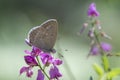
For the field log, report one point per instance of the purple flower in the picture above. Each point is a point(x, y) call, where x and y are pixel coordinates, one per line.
point(57, 62)
point(27, 52)
point(28, 71)
point(94, 50)
point(40, 75)
point(54, 73)
point(91, 33)
point(30, 60)
point(106, 47)
point(92, 10)
point(36, 51)
point(85, 25)
point(46, 58)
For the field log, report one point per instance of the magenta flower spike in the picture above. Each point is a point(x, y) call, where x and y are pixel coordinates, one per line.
point(42, 58)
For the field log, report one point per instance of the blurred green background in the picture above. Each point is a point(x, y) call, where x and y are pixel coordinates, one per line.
point(17, 17)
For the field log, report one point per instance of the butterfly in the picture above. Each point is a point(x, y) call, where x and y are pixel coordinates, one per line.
point(44, 36)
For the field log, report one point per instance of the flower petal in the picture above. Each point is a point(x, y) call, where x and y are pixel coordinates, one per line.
point(94, 50)
point(23, 69)
point(57, 62)
point(54, 73)
point(46, 58)
point(27, 52)
point(92, 10)
point(40, 75)
point(36, 51)
point(30, 60)
point(106, 47)
point(29, 73)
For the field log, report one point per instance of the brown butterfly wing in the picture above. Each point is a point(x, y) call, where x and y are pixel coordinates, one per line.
point(44, 36)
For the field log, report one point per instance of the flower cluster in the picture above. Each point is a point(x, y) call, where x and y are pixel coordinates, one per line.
point(95, 31)
point(34, 58)
point(98, 46)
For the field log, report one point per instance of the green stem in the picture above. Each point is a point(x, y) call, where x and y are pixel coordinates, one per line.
point(42, 68)
point(98, 41)
point(97, 37)
point(102, 51)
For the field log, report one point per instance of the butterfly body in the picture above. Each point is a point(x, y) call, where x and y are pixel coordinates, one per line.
point(44, 36)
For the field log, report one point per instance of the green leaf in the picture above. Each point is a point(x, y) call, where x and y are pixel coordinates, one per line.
point(105, 63)
point(98, 69)
point(113, 73)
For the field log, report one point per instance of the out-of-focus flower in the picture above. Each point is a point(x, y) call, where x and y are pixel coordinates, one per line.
point(54, 73)
point(30, 60)
point(91, 33)
point(103, 34)
point(106, 47)
point(97, 22)
point(28, 71)
point(85, 25)
point(40, 75)
point(94, 50)
point(92, 10)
